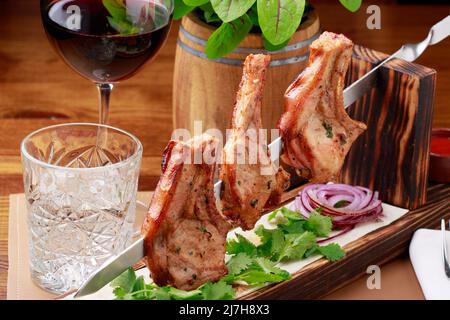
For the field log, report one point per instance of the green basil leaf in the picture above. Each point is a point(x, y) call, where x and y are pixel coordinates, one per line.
point(229, 10)
point(238, 263)
point(195, 3)
point(351, 5)
point(270, 47)
point(227, 37)
point(181, 9)
point(279, 19)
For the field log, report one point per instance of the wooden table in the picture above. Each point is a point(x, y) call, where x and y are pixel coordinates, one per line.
point(37, 89)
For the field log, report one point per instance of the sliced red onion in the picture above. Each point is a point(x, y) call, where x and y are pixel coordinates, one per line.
point(362, 204)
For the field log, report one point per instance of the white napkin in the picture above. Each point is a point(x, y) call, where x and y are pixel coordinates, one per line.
point(425, 252)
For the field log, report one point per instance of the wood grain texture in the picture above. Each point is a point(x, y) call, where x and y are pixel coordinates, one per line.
point(378, 247)
point(392, 155)
point(205, 90)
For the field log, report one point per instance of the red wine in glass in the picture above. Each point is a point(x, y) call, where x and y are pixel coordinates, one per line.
point(106, 41)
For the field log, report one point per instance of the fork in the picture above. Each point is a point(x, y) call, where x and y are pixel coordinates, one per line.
point(444, 249)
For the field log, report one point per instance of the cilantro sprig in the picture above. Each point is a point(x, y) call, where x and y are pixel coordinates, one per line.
point(293, 238)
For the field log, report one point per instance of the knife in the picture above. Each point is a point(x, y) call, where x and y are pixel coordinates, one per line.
point(114, 266)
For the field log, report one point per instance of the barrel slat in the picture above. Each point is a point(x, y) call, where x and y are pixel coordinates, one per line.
point(205, 90)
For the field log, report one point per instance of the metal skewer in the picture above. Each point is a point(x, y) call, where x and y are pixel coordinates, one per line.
point(409, 52)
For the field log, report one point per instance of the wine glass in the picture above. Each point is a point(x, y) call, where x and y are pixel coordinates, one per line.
point(106, 41)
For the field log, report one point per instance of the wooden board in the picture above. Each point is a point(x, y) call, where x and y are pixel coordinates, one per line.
point(376, 248)
point(392, 155)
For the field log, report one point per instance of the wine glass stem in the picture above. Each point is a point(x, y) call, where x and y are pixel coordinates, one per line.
point(104, 90)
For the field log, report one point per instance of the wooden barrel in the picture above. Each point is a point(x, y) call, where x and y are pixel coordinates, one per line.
point(205, 90)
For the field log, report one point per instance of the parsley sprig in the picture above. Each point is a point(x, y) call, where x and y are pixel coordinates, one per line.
point(293, 238)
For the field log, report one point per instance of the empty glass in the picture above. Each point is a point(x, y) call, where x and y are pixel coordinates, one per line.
point(80, 185)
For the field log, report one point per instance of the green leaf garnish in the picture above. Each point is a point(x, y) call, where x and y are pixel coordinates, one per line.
point(238, 263)
point(195, 3)
point(287, 213)
point(271, 47)
point(125, 281)
point(279, 19)
point(227, 37)
point(241, 244)
point(217, 291)
point(332, 251)
point(295, 238)
point(341, 204)
point(272, 242)
point(128, 287)
point(253, 14)
point(318, 224)
point(118, 19)
point(297, 245)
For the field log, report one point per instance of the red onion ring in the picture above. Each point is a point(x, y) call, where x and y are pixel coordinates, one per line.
point(361, 205)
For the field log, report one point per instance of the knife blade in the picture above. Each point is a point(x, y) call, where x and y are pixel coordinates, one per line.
point(112, 268)
point(116, 265)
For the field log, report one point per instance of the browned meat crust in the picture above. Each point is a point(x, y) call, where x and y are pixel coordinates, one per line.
point(316, 131)
point(254, 183)
point(184, 233)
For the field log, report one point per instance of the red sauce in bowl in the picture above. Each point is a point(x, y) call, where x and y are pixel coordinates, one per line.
point(440, 145)
point(440, 155)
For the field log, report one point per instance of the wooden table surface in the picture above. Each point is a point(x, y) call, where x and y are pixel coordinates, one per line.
point(37, 89)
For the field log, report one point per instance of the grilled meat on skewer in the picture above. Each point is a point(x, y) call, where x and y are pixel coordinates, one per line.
point(251, 182)
point(184, 233)
point(316, 131)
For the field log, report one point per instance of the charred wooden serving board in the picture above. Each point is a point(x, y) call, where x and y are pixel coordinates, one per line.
point(391, 157)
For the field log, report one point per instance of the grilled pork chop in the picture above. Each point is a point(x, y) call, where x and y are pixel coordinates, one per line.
point(316, 131)
point(251, 182)
point(184, 233)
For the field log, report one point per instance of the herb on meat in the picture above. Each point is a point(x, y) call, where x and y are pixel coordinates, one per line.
point(328, 130)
